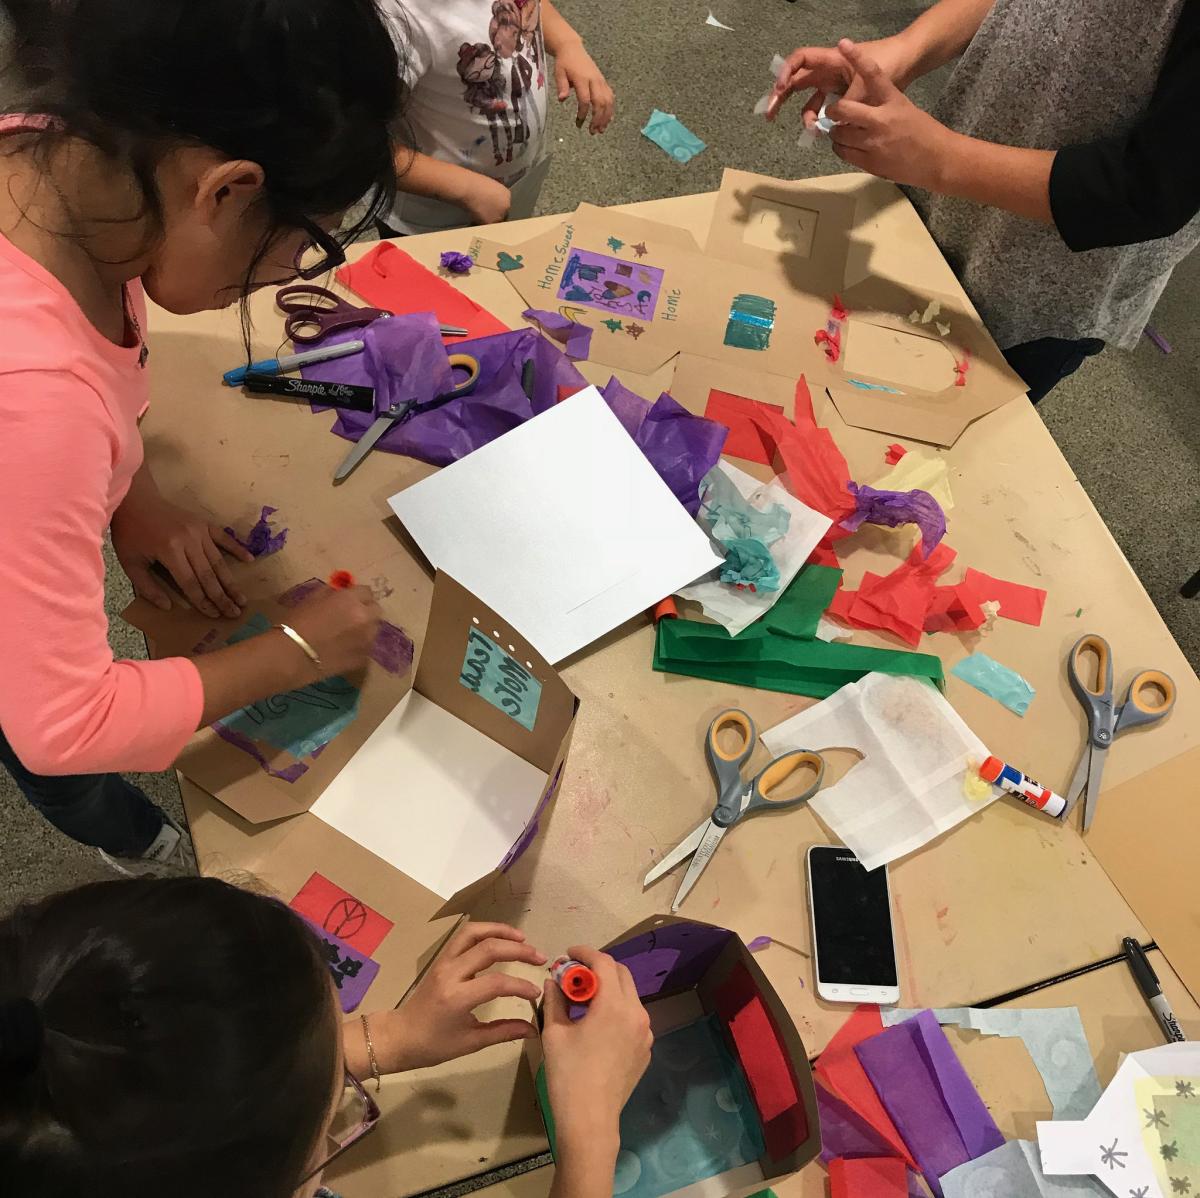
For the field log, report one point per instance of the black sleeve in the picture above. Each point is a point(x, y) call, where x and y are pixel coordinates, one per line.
point(1145, 183)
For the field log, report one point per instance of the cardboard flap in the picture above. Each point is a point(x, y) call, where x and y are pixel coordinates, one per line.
point(492, 703)
point(905, 376)
point(788, 227)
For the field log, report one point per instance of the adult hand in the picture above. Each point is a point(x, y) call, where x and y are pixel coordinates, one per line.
point(436, 1024)
point(148, 529)
point(885, 133)
point(609, 1049)
point(825, 70)
point(576, 70)
point(486, 199)
point(341, 626)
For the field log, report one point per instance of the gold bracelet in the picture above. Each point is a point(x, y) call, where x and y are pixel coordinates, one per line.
point(309, 651)
point(371, 1055)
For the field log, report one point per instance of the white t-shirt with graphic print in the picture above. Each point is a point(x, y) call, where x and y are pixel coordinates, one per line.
point(478, 74)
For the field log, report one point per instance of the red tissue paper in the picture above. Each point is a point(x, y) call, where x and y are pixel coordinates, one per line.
point(1017, 601)
point(868, 1177)
point(894, 453)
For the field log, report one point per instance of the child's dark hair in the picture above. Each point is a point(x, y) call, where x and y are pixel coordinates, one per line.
point(308, 89)
point(172, 1037)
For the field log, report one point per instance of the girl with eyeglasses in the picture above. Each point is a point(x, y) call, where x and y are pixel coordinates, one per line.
point(182, 1037)
point(191, 153)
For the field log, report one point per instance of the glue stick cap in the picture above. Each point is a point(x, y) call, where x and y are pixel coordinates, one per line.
point(577, 982)
point(991, 769)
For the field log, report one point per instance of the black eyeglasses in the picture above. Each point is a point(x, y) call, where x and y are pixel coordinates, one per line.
point(320, 254)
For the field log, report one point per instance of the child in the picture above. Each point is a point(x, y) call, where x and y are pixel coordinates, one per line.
point(181, 1037)
point(1072, 123)
point(200, 150)
point(478, 73)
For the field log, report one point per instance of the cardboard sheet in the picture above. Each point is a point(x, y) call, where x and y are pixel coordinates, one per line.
point(930, 1098)
point(738, 609)
point(938, 385)
point(433, 797)
point(1054, 1037)
point(562, 526)
point(648, 294)
point(908, 787)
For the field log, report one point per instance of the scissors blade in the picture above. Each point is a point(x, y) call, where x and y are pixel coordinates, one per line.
point(1078, 781)
point(1090, 803)
point(685, 848)
point(369, 439)
point(712, 837)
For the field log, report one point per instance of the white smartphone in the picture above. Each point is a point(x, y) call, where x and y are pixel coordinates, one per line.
point(854, 955)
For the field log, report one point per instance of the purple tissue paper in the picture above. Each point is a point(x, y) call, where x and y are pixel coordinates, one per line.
point(575, 338)
point(456, 263)
point(260, 540)
point(928, 1095)
point(893, 508)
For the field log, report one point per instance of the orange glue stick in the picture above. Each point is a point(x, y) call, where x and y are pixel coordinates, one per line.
point(577, 982)
point(341, 580)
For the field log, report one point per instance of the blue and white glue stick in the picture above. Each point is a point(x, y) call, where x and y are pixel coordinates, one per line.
point(1009, 778)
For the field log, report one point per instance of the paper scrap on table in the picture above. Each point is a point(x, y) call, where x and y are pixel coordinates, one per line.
point(898, 602)
point(262, 540)
point(396, 282)
point(1017, 601)
point(764, 657)
point(1054, 1037)
point(561, 526)
point(1109, 1144)
point(735, 609)
point(717, 24)
point(338, 912)
point(671, 135)
point(1013, 1171)
point(891, 509)
point(916, 749)
point(745, 439)
point(352, 971)
point(831, 630)
point(1170, 1109)
point(840, 1072)
point(575, 338)
point(930, 1098)
point(745, 532)
point(915, 470)
point(1006, 686)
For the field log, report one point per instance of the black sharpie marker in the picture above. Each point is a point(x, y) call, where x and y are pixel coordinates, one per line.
point(334, 395)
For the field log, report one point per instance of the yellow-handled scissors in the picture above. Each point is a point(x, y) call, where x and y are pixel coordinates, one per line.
point(1150, 697)
point(390, 417)
point(737, 797)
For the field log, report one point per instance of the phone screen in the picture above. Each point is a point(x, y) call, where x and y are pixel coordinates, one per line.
point(852, 919)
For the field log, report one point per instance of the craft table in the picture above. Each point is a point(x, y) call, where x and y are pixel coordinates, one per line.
point(1004, 900)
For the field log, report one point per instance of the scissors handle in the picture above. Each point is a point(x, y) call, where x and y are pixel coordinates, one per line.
point(471, 366)
point(780, 771)
point(1150, 697)
point(1097, 697)
point(727, 763)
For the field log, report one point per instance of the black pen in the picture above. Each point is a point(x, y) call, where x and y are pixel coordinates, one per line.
point(528, 378)
point(1147, 983)
point(334, 395)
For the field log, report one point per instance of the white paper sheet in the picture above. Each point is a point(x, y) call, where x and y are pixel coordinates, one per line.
point(561, 526)
point(737, 610)
point(1109, 1144)
point(908, 787)
point(433, 797)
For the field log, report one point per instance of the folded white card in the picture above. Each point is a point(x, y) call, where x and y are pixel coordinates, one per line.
point(561, 526)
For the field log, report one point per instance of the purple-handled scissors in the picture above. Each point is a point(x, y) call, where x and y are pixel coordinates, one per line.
point(314, 312)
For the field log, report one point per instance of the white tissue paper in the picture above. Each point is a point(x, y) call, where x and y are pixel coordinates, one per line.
point(908, 789)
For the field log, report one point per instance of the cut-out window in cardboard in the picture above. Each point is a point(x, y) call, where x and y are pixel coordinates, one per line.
point(914, 361)
point(784, 228)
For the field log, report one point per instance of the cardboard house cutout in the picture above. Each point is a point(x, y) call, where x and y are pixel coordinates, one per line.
point(727, 1106)
point(648, 293)
point(443, 776)
point(791, 230)
point(915, 363)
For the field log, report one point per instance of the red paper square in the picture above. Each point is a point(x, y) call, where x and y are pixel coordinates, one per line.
point(1017, 601)
point(745, 440)
point(868, 1177)
point(340, 913)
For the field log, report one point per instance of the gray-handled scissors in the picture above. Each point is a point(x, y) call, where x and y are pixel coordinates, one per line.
point(736, 797)
point(1150, 697)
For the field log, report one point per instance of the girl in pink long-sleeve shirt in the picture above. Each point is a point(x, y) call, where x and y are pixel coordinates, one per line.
point(197, 151)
